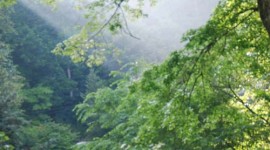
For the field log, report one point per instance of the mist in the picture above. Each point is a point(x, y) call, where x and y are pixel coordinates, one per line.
point(159, 33)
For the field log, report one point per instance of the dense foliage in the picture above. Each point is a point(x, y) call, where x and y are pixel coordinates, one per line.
point(43, 86)
point(212, 94)
point(33, 87)
point(47, 83)
point(47, 135)
point(10, 85)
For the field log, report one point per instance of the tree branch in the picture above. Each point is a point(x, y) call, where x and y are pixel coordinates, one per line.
point(264, 9)
point(246, 106)
point(118, 6)
point(127, 26)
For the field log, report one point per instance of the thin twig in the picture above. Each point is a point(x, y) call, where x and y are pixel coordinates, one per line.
point(127, 26)
point(118, 6)
point(193, 87)
point(203, 51)
point(246, 106)
point(238, 99)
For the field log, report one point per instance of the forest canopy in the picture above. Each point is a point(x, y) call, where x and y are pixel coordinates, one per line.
point(212, 94)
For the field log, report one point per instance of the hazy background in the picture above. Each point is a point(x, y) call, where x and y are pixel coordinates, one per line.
point(159, 33)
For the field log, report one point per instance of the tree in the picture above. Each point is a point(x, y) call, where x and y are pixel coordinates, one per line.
point(49, 135)
point(108, 111)
point(48, 86)
point(213, 94)
point(264, 7)
point(42, 72)
point(10, 88)
point(11, 82)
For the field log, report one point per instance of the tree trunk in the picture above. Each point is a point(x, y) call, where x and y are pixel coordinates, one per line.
point(69, 77)
point(264, 9)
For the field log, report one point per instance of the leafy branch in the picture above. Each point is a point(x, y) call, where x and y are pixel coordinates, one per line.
point(118, 6)
point(247, 106)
